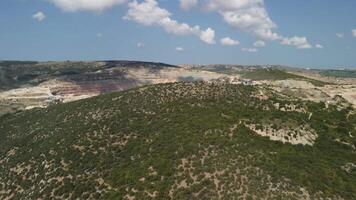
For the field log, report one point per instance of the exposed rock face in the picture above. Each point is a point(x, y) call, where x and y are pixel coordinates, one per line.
point(348, 92)
point(306, 91)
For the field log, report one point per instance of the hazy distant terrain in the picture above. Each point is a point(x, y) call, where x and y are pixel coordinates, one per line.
point(27, 84)
point(141, 130)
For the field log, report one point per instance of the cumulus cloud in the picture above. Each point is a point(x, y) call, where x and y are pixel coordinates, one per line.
point(259, 43)
point(299, 42)
point(89, 5)
point(339, 35)
point(353, 32)
point(179, 49)
point(148, 13)
point(207, 36)
point(227, 41)
point(319, 46)
point(252, 17)
point(188, 4)
point(39, 16)
point(249, 16)
point(246, 15)
point(250, 50)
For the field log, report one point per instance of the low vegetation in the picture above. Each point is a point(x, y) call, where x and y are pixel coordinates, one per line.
point(339, 73)
point(16, 74)
point(277, 74)
point(178, 141)
point(259, 73)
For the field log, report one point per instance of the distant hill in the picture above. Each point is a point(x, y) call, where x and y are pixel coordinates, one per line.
point(181, 141)
point(27, 84)
point(339, 73)
point(15, 74)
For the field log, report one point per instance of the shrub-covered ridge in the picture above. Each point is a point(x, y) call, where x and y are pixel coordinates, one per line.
point(178, 141)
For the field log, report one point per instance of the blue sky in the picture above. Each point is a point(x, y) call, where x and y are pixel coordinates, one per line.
point(305, 33)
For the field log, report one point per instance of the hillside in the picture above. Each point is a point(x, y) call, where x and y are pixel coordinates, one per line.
point(339, 73)
point(15, 74)
point(181, 141)
point(26, 85)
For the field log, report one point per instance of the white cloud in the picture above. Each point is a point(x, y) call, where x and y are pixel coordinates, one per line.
point(250, 50)
point(252, 17)
point(188, 4)
point(299, 42)
point(353, 32)
point(140, 45)
point(267, 34)
point(148, 13)
point(339, 35)
point(259, 43)
point(230, 4)
point(39, 16)
point(227, 41)
point(99, 35)
point(208, 36)
point(179, 49)
point(249, 16)
point(246, 15)
point(89, 5)
point(319, 46)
